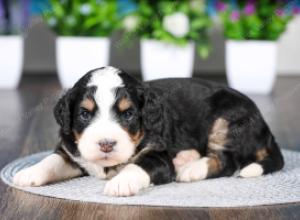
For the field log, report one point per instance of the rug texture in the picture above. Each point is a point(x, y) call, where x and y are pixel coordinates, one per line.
point(278, 188)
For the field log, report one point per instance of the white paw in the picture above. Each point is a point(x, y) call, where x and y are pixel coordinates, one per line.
point(184, 157)
point(193, 171)
point(252, 170)
point(128, 182)
point(31, 176)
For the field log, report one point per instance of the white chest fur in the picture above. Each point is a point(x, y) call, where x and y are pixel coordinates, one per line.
point(91, 168)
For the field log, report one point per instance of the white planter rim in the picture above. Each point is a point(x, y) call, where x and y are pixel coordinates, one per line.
point(166, 43)
point(75, 38)
point(11, 36)
point(90, 37)
point(251, 41)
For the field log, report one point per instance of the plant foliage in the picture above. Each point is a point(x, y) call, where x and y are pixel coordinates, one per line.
point(157, 19)
point(255, 20)
point(83, 17)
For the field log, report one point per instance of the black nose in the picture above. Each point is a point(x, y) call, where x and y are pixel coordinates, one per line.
point(106, 146)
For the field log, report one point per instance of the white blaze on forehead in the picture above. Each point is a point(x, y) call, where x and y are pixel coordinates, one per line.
point(106, 80)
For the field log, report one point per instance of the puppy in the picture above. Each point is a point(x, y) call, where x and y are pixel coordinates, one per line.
point(115, 127)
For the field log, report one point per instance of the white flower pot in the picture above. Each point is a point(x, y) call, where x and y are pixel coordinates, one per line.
point(75, 56)
point(11, 61)
point(162, 60)
point(251, 65)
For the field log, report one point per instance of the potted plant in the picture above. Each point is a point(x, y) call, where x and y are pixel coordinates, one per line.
point(11, 46)
point(169, 32)
point(252, 29)
point(83, 29)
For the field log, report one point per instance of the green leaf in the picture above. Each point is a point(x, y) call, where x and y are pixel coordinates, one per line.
point(203, 51)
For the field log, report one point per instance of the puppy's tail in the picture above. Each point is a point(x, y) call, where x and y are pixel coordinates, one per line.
point(268, 159)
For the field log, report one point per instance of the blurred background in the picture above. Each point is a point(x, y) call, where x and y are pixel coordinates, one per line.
point(125, 23)
point(47, 45)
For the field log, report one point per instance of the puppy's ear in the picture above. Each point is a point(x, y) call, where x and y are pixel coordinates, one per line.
point(63, 112)
point(152, 112)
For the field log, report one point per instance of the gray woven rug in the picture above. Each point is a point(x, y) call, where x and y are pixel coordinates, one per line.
point(277, 188)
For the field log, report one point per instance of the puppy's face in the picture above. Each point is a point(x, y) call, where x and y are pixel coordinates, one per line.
point(104, 118)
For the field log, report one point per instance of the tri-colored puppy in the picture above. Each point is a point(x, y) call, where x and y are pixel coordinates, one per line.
point(136, 134)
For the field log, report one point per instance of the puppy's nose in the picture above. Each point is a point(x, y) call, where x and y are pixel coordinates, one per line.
point(106, 146)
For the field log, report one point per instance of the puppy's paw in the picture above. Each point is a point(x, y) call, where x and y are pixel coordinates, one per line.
point(252, 170)
point(31, 176)
point(184, 157)
point(193, 171)
point(128, 182)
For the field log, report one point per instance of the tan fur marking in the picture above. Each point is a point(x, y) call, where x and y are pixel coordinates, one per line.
point(124, 104)
point(218, 135)
point(136, 138)
point(214, 164)
point(261, 154)
point(113, 171)
point(77, 136)
point(141, 153)
point(88, 104)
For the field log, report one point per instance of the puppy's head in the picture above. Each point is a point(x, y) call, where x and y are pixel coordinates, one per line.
point(100, 117)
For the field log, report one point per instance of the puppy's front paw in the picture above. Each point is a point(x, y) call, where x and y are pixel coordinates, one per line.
point(128, 182)
point(121, 186)
point(31, 176)
point(193, 171)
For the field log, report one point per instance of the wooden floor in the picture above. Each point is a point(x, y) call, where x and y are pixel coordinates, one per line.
point(27, 126)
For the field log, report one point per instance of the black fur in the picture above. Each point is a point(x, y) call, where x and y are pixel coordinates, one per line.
point(178, 114)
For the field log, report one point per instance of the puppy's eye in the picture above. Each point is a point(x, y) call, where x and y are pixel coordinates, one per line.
point(127, 115)
point(85, 115)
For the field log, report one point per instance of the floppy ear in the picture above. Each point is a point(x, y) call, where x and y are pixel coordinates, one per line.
point(62, 111)
point(152, 112)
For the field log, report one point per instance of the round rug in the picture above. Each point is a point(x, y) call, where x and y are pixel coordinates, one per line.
point(277, 188)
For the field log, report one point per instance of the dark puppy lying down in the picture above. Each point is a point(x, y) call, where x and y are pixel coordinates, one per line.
point(136, 134)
